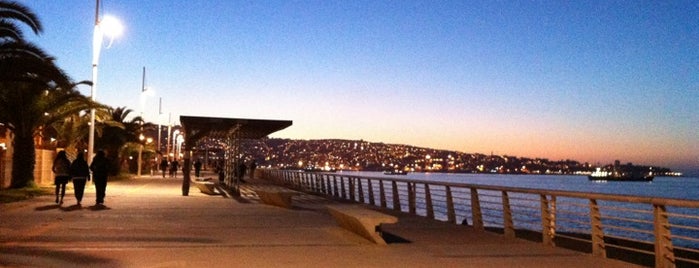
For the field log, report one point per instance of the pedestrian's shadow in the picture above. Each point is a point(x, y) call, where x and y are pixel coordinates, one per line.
point(99, 207)
point(72, 208)
point(47, 207)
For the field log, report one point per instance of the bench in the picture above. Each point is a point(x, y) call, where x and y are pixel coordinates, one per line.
point(280, 198)
point(362, 221)
point(206, 186)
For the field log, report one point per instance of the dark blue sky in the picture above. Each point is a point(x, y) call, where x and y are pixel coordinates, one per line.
point(588, 80)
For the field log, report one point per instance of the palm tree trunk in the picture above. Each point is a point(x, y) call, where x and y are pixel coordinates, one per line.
point(23, 161)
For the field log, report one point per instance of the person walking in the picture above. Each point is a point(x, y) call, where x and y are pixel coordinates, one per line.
point(80, 173)
point(163, 166)
point(174, 165)
point(240, 172)
point(61, 167)
point(253, 166)
point(100, 169)
point(197, 168)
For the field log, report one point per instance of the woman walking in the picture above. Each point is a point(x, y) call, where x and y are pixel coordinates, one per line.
point(80, 173)
point(61, 167)
point(100, 168)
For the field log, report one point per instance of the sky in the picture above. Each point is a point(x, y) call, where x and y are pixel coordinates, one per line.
point(592, 81)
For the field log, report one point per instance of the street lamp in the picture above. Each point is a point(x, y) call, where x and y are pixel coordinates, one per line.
point(112, 28)
point(140, 153)
point(148, 140)
point(175, 134)
point(180, 140)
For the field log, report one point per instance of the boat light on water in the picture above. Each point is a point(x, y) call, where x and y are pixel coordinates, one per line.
point(602, 175)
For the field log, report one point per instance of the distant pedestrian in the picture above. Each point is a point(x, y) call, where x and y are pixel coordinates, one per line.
point(174, 165)
point(100, 169)
point(253, 166)
point(80, 173)
point(197, 168)
point(61, 167)
point(220, 171)
point(240, 171)
point(163, 166)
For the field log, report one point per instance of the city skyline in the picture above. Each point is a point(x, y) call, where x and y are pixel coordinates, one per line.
point(592, 82)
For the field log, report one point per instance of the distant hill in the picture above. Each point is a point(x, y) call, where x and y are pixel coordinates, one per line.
point(362, 155)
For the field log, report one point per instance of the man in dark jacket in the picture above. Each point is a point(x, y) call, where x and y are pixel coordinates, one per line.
point(100, 169)
point(80, 173)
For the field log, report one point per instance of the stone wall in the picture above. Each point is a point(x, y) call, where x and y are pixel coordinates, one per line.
point(42, 171)
point(43, 175)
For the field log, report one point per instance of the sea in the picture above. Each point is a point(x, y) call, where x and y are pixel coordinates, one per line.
point(686, 188)
point(666, 187)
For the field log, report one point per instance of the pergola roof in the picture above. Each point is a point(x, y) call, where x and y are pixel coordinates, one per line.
point(197, 127)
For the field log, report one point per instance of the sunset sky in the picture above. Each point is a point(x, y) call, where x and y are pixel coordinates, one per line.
point(592, 81)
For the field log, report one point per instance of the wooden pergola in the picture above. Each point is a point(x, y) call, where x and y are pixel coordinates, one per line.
point(229, 131)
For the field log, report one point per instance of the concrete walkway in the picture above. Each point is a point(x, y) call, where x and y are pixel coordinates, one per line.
point(146, 222)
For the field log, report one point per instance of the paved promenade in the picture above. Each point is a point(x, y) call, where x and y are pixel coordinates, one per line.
point(146, 222)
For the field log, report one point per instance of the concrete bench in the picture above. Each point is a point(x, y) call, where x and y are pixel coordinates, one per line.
point(206, 186)
point(280, 198)
point(362, 221)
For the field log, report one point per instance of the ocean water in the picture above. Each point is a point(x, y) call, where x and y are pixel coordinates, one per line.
point(667, 187)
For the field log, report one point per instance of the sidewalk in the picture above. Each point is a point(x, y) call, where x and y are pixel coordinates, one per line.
point(146, 222)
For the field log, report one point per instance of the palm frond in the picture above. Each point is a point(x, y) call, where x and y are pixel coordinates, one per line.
point(16, 11)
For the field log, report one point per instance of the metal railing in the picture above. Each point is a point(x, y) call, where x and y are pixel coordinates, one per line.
point(663, 230)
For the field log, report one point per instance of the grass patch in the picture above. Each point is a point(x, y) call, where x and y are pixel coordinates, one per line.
point(15, 195)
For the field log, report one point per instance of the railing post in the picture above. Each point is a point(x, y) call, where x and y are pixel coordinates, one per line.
point(323, 189)
point(300, 181)
point(476, 210)
point(307, 181)
point(361, 190)
point(313, 180)
point(428, 202)
point(597, 232)
point(342, 186)
point(411, 197)
point(507, 223)
point(329, 187)
point(351, 188)
point(552, 216)
point(451, 213)
point(316, 182)
point(546, 236)
point(382, 194)
point(303, 177)
point(370, 188)
point(335, 193)
point(664, 252)
point(396, 197)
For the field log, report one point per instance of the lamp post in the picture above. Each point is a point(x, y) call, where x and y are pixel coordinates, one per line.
point(140, 153)
point(180, 140)
point(160, 112)
point(111, 27)
point(175, 135)
point(147, 140)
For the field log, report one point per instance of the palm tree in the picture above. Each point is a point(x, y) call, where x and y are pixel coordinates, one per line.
point(71, 133)
point(34, 92)
point(118, 131)
point(11, 11)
